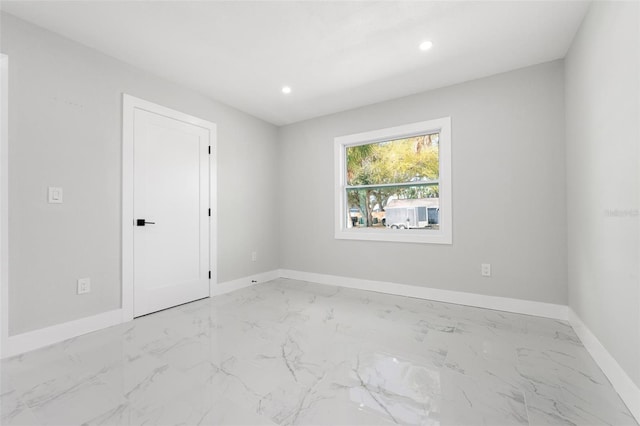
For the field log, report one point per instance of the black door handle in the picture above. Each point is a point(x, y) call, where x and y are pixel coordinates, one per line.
point(142, 222)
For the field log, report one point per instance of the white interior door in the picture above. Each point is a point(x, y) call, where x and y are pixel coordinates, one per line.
point(171, 212)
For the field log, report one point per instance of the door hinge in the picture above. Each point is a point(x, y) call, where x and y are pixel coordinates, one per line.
point(209, 274)
point(209, 149)
point(209, 212)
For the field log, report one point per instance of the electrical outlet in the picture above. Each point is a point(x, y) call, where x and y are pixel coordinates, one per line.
point(55, 195)
point(254, 256)
point(486, 269)
point(84, 285)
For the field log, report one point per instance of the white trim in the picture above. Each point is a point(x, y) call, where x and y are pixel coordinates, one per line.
point(520, 306)
point(240, 283)
point(4, 204)
point(35, 339)
point(129, 104)
point(442, 236)
point(127, 207)
point(629, 392)
point(213, 204)
point(31, 340)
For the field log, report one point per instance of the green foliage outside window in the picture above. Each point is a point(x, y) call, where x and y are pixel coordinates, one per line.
point(412, 160)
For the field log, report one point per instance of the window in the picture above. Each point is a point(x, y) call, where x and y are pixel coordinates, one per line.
point(394, 184)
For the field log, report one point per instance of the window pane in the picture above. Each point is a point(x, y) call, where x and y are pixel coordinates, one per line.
point(397, 177)
point(394, 207)
point(411, 159)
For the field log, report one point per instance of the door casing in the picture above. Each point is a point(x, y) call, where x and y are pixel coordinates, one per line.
point(129, 105)
point(4, 205)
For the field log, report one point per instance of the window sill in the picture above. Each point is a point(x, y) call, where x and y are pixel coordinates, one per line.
point(395, 235)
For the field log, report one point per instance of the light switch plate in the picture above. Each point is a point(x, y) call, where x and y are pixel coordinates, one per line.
point(55, 195)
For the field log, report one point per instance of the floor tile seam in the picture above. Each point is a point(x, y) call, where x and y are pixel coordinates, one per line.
point(8, 395)
point(446, 358)
point(113, 396)
point(69, 376)
point(7, 383)
point(124, 393)
point(28, 409)
point(526, 406)
point(565, 391)
point(249, 409)
point(127, 405)
point(528, 382)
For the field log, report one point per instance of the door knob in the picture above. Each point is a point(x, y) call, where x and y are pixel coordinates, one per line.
point(142, 222)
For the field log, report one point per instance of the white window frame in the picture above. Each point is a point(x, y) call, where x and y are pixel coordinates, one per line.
point(441, 236)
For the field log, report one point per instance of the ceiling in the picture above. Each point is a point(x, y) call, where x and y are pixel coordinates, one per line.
point(335, 55)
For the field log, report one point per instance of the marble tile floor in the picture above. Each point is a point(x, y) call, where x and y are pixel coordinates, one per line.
point(290, 352)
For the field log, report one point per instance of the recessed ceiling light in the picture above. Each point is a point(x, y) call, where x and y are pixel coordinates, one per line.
point(286, 90)
point(425, 45)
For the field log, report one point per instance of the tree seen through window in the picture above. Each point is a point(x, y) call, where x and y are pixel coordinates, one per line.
point(394, 183)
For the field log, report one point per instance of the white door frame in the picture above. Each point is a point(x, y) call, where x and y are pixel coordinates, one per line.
point(4, 204)
point(129, 105)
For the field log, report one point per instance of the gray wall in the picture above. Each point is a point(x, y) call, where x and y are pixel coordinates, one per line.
point(65, 130)
point(508, 190)
point(603, 133)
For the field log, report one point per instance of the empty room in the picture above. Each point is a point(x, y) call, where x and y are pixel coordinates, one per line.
point(319, 212)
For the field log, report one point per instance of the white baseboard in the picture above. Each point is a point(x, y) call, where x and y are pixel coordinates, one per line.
point(626, 388)
point(622, 383)
point(39, 338)
point(519, 306)
point(31, 340)
point(237, 284)
point(628, 391)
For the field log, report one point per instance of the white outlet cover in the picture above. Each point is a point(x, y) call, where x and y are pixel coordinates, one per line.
point(55, 195)
point(486, 269)
point(84, 285)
